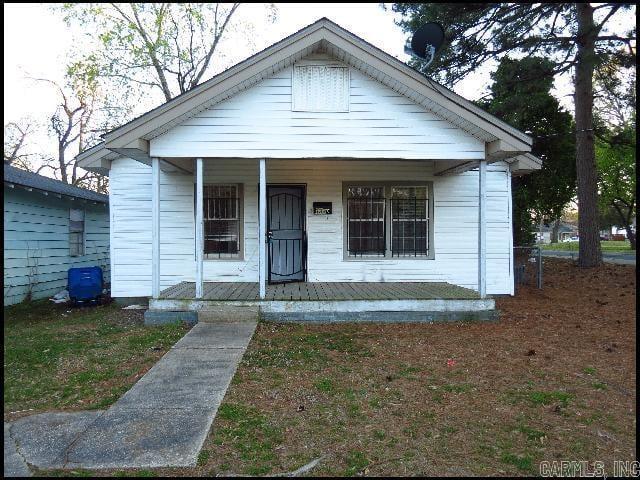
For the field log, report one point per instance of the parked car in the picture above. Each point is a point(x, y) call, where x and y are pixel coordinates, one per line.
point(571, 239)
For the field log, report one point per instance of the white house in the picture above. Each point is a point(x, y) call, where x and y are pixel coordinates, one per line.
point(319, 169)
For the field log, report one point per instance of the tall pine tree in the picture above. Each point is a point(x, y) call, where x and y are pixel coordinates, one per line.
point(574, 36)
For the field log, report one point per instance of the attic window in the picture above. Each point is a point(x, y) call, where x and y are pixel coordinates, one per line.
point(320, 88)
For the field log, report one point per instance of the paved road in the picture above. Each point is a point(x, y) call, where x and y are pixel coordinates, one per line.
point(621, 258)
point(162, 421)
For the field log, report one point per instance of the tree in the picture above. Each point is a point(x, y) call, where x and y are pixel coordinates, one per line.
point(165, 46)
point(521, 96)
point(569, 34)
point(17, 142)
point(83, 113)
point(615, 130)
point(617, 176)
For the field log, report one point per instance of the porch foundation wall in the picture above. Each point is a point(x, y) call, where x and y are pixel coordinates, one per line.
point(383, 311)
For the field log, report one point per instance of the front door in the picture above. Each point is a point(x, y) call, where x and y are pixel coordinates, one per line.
point(286, 233)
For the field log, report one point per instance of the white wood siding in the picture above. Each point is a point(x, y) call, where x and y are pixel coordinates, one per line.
point(36, 243)
point(455, 224)
point(259, 122)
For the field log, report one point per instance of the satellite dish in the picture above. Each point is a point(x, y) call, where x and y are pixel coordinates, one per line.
point(426, 41)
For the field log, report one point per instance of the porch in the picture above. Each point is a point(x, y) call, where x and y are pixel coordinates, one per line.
point(319, 291)
point(324, 302)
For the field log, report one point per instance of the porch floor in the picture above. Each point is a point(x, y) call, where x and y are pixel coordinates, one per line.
point(234, 291)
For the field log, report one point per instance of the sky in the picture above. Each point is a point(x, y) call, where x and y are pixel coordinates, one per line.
point(27, 56)
point(37, 42)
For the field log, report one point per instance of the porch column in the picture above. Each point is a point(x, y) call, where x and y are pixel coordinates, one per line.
point(199, 230)
point(262, 229)
point(155, 227)
point(482, 229)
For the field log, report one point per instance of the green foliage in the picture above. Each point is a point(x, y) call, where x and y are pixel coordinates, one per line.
point(478, 32)
point(143, 46)
point(521, 96)
point(571, 36)
point(616, 158)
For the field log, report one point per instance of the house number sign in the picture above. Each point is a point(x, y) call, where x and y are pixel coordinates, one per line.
point(322, 208)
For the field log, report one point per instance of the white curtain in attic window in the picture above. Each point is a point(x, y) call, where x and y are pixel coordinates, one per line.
point(320, 88)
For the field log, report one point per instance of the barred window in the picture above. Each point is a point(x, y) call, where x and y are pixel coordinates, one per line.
point(76, 232)
point(365, 221)
point(409, 221)
point(222, 221)
point(388, 220)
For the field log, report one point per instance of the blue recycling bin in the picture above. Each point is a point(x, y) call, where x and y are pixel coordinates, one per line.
point(85, 283)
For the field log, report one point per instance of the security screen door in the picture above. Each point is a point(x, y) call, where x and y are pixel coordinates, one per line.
point(286, 233)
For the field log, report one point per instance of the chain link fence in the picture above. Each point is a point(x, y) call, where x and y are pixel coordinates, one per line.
point(527, 266)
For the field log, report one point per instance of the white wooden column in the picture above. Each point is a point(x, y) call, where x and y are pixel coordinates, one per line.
point(482, 229)
point(155, 227)
point(262, 229)
point(199, 230)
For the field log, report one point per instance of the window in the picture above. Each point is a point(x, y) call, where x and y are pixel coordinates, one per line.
point(76, 232)
point(320, 88)
point(365, 221)
point(409, 221)
point(388, 220)
point(222, 221)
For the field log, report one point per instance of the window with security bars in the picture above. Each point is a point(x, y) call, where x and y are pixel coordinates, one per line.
point(222, 221)
point(366, 221)
point(409, 221)
point(76, 233)
point(387, 220)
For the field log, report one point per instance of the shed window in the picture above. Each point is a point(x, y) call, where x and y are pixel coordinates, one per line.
point(76, 232)
point(222, 221)
point(320, 88)
point(388, 220)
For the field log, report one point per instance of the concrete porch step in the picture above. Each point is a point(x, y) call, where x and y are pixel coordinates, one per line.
point(229, 313)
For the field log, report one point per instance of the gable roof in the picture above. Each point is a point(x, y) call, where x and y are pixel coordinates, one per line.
point(17, 176)
point(132, 138)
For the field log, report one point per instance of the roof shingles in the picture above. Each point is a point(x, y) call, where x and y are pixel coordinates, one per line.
point(21, 177)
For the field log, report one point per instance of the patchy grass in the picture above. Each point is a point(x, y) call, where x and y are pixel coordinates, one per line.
point(524, 464)
point(62, 358)
point(606, 245)
point(381, 399)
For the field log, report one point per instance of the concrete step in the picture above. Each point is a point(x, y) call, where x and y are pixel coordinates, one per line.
point(229, 313)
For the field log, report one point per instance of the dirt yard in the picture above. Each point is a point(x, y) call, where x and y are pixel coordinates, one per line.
point(554, 379)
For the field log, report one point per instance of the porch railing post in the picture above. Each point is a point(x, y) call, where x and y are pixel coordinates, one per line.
point(262, 229)
point(155, 227)
point(199, 230)
point(482, 229)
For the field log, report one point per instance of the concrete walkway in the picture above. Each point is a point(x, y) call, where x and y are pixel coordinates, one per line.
point(162, 421)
